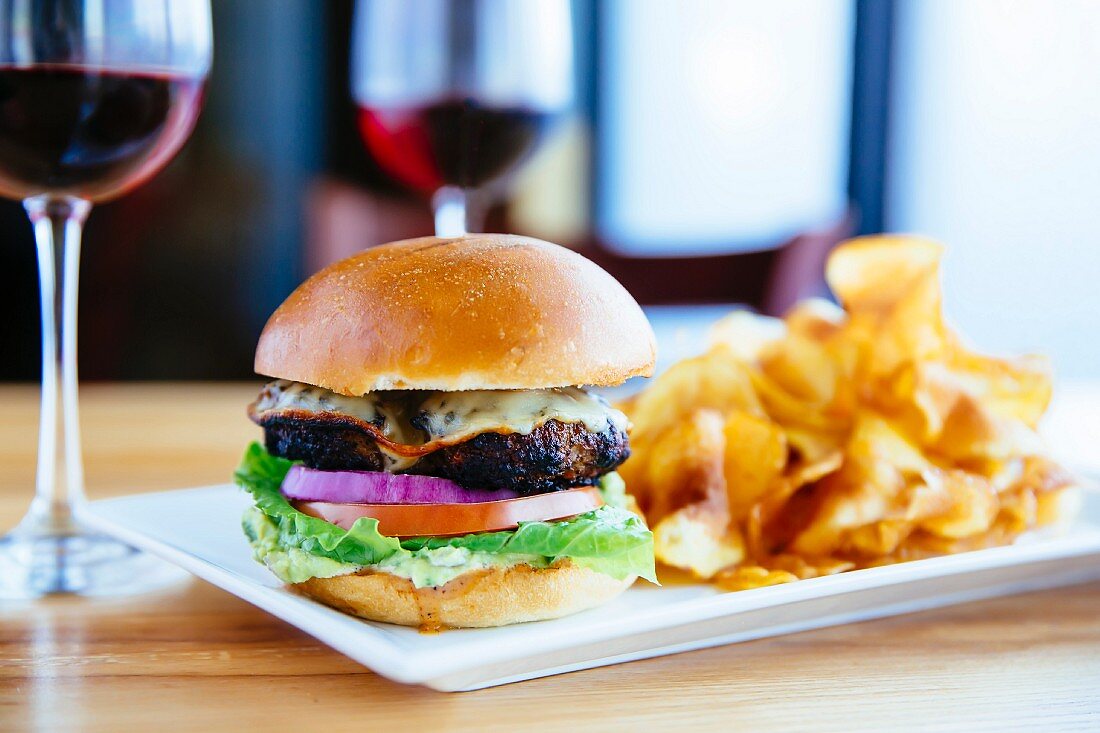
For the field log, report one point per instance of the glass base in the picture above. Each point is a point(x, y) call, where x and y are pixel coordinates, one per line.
point(81, 563)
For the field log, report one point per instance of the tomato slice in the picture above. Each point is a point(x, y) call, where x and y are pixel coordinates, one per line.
point(423, 520)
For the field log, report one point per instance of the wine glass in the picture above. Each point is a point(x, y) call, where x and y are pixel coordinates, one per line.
point(454, 94)
point(96, 96)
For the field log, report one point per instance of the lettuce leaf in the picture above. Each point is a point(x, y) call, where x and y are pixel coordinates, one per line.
point(609, 540)
point(289, 564)
point(262, 474)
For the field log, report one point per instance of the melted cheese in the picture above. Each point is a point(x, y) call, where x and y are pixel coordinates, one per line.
point(454, 416)
point(446, 417)
point(283, 394)
point(388, 415)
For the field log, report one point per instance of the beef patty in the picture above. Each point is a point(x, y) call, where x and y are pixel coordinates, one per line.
point(552, 457)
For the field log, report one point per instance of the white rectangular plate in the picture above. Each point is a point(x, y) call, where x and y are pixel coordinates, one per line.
point(199, 529)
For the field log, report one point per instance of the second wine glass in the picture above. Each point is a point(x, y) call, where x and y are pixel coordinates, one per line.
point(454, 95)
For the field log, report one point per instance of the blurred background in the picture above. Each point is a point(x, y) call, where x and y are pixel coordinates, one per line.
point(715, 152)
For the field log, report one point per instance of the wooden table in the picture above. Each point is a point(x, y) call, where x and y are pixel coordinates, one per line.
point(196, 658)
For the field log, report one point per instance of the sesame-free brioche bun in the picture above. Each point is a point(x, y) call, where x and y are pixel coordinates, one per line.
point(480, 598)
point(481, 311)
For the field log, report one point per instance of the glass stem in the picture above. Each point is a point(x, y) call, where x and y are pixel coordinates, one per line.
point(449, 206)
point(58, 222)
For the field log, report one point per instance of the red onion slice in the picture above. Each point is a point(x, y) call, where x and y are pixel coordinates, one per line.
point(376, 487)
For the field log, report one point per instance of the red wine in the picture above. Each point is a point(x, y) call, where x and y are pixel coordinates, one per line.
point(92, 133)
point(455, 142)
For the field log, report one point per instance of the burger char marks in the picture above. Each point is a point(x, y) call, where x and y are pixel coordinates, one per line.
point(531, 442)
point(553, 457)
point(327, 443)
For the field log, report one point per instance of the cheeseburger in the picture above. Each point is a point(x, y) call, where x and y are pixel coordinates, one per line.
point(432, 454)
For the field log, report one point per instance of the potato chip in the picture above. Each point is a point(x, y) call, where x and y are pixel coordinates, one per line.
point(787, 409)
point(972, 431)
point(838, 438)
point(890, 288)
point(876, 273)
point(1012, 388)
point(747, 578)
point(815, 318)
point(927, 498)
point(871, 485)
point(974, 506)
point(803, 368)
point(809, 446)
point(717, 380)
point(876, 539)
point(692, 539)
point(920, 397)
point(809, 567)
point(683, 493)
point(755, 460)
point(1058, 507)
point(1019, 510)
point(798, 475)
point(685, 466)
point(746, 334)
point(848, 505)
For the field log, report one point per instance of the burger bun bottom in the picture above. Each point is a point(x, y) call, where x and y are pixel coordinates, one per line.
point(479, 598)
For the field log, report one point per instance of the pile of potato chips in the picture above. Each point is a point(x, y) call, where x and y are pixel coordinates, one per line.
point(841, 438)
